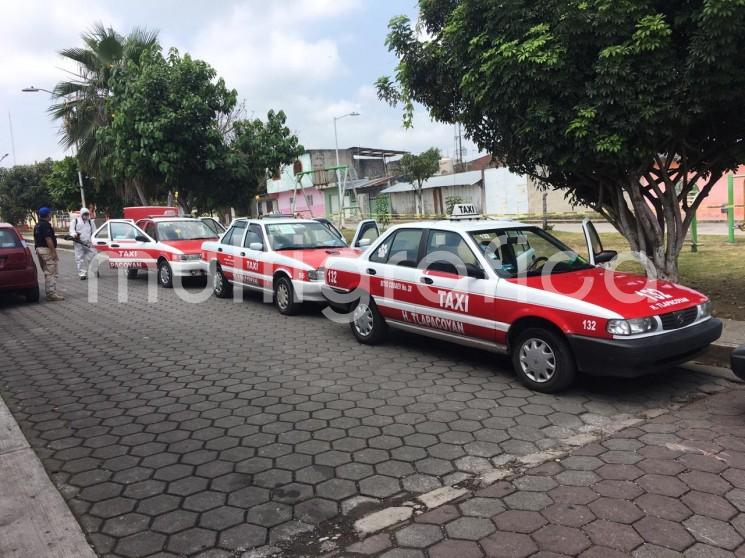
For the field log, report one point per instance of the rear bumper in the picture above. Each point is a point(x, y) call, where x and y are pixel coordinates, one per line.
point(737, 360)
point(636, 357)
point(18, 279)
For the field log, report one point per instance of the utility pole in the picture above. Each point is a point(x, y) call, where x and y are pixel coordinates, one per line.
point(338, 176)
point(12, 140)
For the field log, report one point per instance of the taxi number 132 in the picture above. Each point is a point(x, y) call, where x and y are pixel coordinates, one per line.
point(589, 325)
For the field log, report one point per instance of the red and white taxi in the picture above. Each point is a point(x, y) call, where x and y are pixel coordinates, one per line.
point(281, 256)
point(513, 288)
point(172, 245)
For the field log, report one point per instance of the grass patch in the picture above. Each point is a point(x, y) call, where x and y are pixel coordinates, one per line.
point(717, 269)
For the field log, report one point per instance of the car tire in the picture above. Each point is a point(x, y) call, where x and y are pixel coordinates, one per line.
point(32, 294)
point(543, 360)
point(165, 275)
point(284, 297)
point(368, 326)
point(132, 273)
point(221, 286)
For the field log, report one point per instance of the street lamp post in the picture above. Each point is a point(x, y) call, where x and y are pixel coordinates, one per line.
point(33, 89)
point(338, 178)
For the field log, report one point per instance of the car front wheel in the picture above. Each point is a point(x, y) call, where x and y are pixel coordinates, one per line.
point(165, 274)
point(368, 326)
point(220, 285)
point(543, 360)
point(284, 297)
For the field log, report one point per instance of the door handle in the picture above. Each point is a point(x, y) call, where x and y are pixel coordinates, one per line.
point(371, 271)
point(426, 280)
point(219, 249)
point(101, 243)
point(243, 253)
point(115, 246)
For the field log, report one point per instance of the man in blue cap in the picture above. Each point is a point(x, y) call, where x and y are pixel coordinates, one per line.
point(45, 242)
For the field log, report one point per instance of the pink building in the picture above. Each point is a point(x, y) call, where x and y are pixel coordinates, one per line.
point(710, 209)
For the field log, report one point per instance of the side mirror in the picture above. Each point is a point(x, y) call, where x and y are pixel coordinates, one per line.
point(605, 256)
point(476, 272)
point(142, 238)
point(364, 242)
point(258, 246)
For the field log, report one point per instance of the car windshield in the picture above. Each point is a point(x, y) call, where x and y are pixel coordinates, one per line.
point(526, 251)
point(301, 236)
point(183, 230)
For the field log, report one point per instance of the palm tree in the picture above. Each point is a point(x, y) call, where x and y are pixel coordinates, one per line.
point(81, 100)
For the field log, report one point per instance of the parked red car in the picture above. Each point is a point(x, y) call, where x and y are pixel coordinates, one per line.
point(17, 266)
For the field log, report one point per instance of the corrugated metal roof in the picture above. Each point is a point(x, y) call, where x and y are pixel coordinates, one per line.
point(458, 179)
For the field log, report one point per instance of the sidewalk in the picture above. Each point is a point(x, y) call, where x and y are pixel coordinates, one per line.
point(670, 487)
point(35, 520)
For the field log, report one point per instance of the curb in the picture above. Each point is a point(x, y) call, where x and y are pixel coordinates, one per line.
point(35, 518)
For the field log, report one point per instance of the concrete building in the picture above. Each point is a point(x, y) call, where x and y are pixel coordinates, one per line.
point(494, 191)
point(316, 192)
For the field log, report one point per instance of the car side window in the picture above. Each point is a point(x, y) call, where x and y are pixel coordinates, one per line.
point(401, 248)
point(448, 252)
point(123, 231)
point(151, 230)
point(254, 234)
point(235, 235)
point(103, 234)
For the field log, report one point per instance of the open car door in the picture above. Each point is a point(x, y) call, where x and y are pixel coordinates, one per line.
point(597, 255)
point(330, 226)
point(366, 232)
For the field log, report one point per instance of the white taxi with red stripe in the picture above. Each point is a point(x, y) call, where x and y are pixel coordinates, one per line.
point(513, 288)
point(281, 256)
point(170, 245)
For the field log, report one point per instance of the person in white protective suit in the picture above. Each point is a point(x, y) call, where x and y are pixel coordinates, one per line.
point(82, 229)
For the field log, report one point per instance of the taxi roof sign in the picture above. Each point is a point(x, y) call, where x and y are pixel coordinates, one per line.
point(464, 211)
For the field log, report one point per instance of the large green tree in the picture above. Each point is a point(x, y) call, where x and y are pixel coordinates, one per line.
point(80, 101)
point(23, 190)
point(625, 104)
point(419, 168)
point(258, 150)
point(164, 135)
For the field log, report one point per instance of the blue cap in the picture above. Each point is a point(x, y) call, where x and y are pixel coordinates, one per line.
point(44, 211)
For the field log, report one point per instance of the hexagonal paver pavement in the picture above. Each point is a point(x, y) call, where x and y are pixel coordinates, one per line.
point(548, 513)
point(179, 428)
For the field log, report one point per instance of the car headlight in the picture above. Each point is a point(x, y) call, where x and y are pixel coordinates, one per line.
point(189, 257)
point(704, 310)
point(316, 274)
point(631, 327)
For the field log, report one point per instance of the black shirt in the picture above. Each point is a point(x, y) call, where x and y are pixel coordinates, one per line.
point(42, 231)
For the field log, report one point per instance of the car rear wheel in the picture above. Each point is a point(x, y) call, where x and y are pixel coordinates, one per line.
point(32, 294)
point(220, 286)
point(543, 360)
point(368, 326)
point(132, 273)
point(165, 274)
point(284, 297)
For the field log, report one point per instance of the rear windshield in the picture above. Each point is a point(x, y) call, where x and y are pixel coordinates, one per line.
point(9, 239)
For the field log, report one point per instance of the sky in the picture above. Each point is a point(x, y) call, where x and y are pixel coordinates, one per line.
point(314, 59)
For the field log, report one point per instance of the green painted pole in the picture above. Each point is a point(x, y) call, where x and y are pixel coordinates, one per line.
point(731, 207)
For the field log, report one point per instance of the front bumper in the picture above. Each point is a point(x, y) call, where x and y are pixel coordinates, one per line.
point(197, 268)
point(631, 358)
point(737, 359)
point(308, 291)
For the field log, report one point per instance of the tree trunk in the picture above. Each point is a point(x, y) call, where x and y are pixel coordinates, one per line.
point(140, 192)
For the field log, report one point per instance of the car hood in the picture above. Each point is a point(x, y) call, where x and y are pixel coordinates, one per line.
point(627, 294)
point(317, 257)
point(187, 246)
